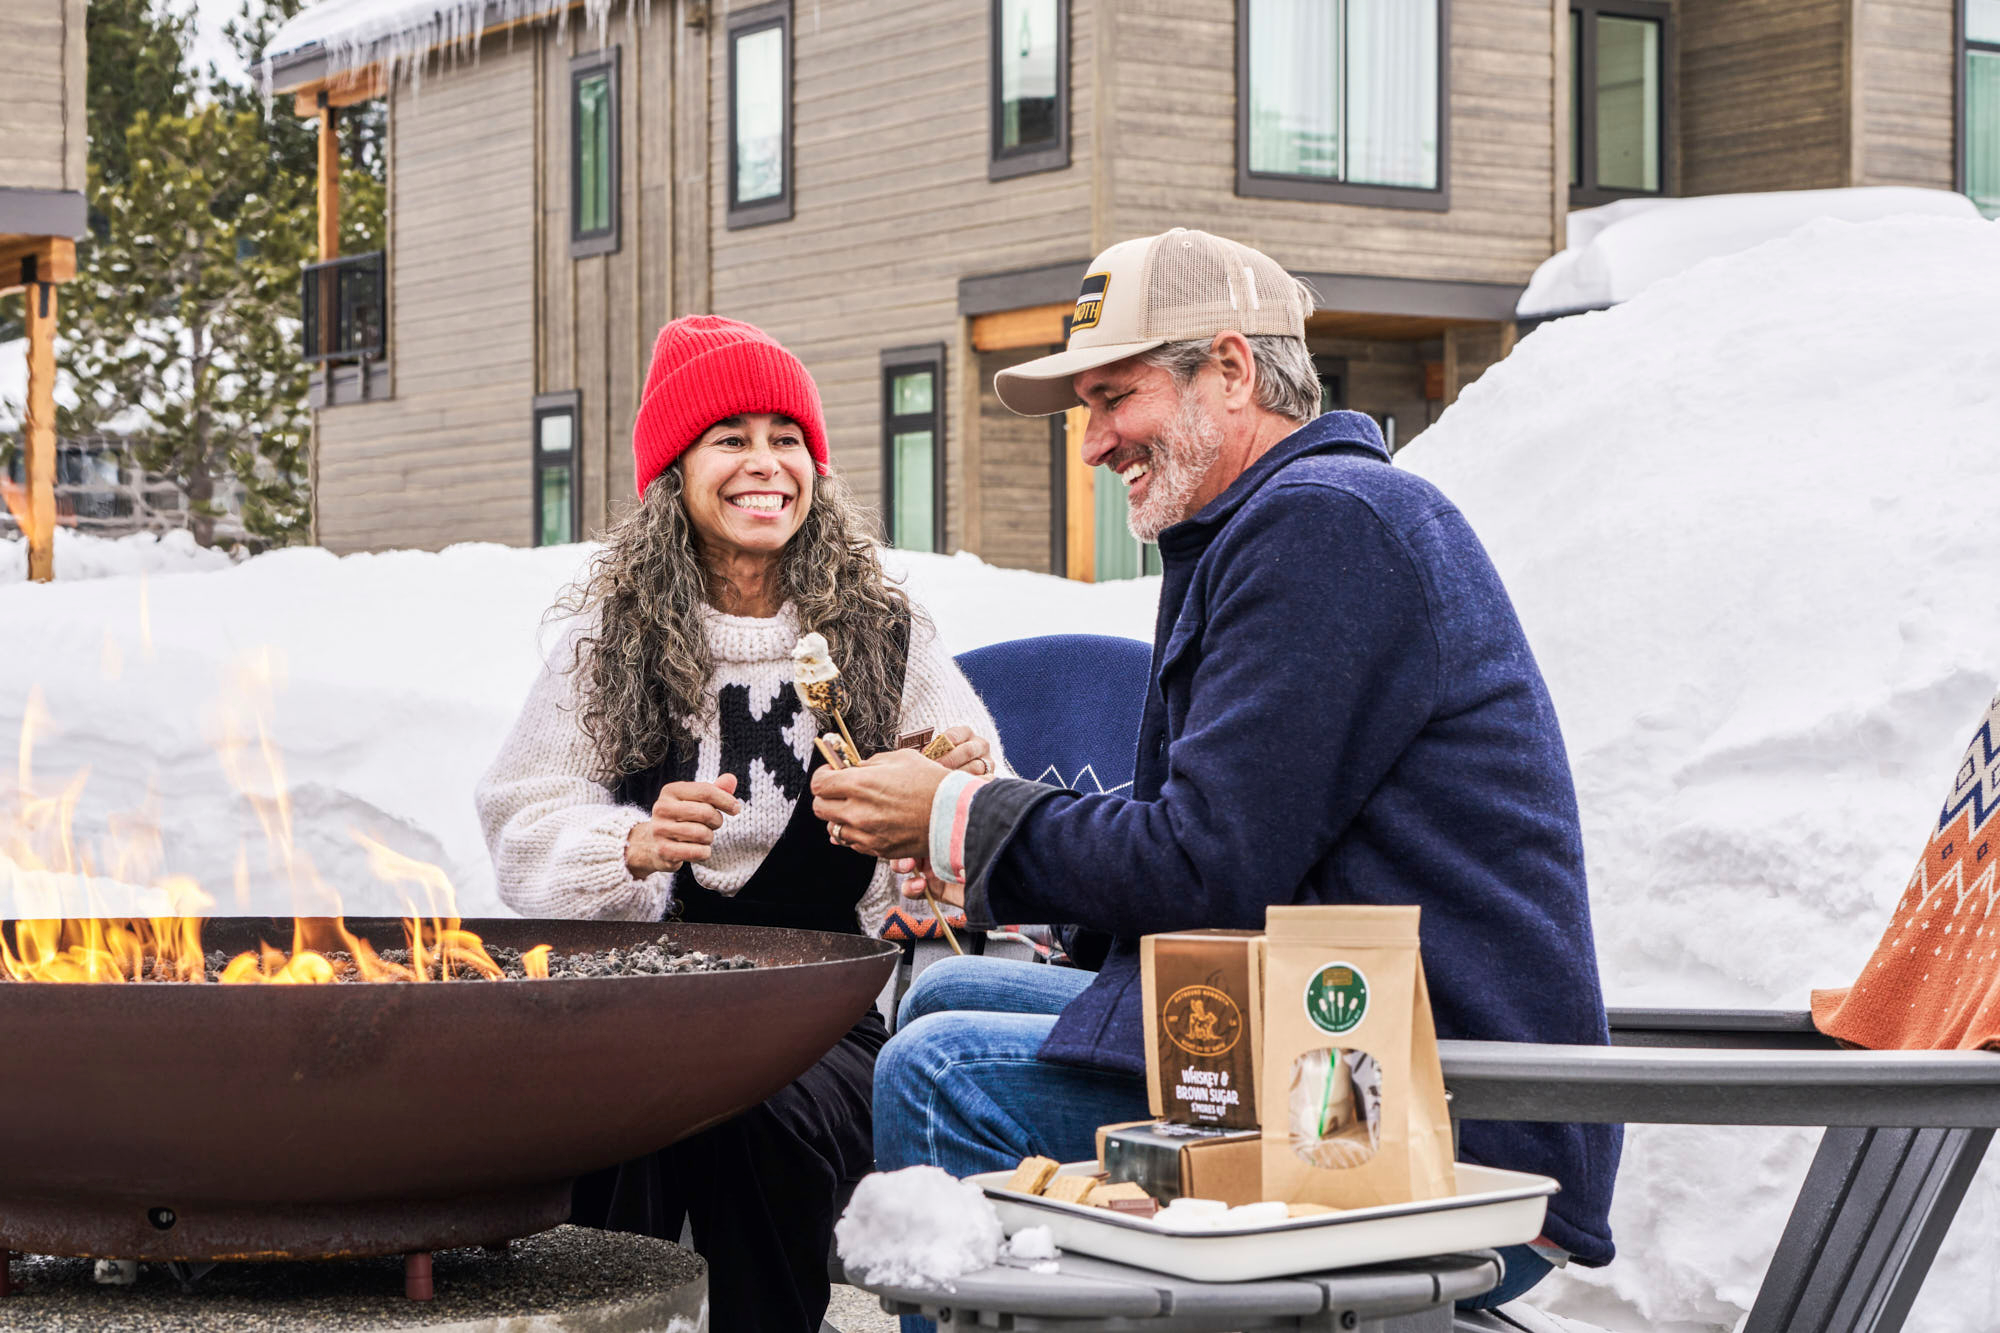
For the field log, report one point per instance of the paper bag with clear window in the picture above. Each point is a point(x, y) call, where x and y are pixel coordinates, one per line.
point(1353, 1094)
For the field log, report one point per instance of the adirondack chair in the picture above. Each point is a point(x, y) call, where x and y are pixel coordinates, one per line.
point(1905, 1131)
point(1067, 709)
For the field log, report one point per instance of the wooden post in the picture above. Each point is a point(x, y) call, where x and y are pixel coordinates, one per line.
point(40, 300)
point(1080, 489)
point(329, 180)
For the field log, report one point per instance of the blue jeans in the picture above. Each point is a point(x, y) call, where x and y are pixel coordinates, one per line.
point(962, 1086)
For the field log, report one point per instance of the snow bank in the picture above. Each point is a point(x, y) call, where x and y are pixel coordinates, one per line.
point(1747, 520)
point(1618, 250)
point(918, 1227)
point(385, 682)
point(86, 557)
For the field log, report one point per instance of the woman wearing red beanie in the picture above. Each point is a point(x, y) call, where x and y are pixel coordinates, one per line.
point(660, 770)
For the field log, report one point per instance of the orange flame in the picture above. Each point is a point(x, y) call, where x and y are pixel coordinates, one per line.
point(535, 962)
point(43, 872)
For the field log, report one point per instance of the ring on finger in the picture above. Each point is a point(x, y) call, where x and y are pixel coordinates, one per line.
point(834, 829)
point(984, 767)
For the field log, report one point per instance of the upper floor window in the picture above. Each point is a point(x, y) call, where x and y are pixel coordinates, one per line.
point(1342, 100)
point(913, 446)
point(760, 114)
point(593, 144)
point(1979, 137)
point(1618, 99)
point(1030, 83)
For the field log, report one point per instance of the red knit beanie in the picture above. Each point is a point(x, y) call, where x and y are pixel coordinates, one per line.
point(706, 369)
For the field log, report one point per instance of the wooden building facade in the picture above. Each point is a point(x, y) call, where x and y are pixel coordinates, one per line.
point(42, 211)
point(906, 193)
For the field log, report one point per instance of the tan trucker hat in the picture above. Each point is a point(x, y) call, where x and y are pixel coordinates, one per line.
point(1174, 287)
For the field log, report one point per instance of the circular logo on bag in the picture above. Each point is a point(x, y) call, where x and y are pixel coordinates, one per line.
point(1202, 1021)
point(1337, 998)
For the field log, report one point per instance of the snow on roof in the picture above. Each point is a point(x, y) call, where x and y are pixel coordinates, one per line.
point(360, 32)
point(1620, 249)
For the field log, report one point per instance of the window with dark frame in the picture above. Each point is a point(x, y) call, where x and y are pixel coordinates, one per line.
point(1030, 87)
point(1343, 101)
point(1979, 105)
point(913, 447)
point(1621, 114)
point(593, 155)
point(760, 115)
point(558, 494)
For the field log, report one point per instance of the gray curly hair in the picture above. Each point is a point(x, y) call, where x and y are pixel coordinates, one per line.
point(646, 661)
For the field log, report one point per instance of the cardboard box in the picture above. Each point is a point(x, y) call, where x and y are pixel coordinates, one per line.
point(1203, 998)
point(1171, 1161)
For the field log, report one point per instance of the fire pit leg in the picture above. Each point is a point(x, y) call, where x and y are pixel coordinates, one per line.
point(417, 1276)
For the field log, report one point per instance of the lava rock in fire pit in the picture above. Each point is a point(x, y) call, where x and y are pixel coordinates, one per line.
point(665, 956)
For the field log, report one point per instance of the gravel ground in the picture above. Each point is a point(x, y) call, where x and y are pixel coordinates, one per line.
point(855, 1311)
point(563, 1272)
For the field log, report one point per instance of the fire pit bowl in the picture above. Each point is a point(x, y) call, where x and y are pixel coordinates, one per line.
point(201, 1122)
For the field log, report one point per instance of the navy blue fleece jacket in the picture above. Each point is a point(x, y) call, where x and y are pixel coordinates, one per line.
point(1342, 709)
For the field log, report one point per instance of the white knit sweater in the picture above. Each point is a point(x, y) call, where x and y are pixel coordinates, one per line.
point(558, 836)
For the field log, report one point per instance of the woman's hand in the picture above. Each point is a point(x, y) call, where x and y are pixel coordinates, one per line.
point(683, 826)
point(968, 751)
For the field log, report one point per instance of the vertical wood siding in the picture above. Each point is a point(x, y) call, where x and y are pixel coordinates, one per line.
point(1906, 65)
point(1013, 473)
point(42, 141)
point(892, 206)
point(1174, 123)
point(598, 314)
point(1763, 95)
point(446, 459)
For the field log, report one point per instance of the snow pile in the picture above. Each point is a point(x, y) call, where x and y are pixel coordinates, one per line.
point(87, 557)
point(1747, 521)
point(384, 682)
point(918, 1227)
point(1618, 250)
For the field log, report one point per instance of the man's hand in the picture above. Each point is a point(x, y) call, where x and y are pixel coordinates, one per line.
point(918, 881)
point(683, 826)
point(881, 807)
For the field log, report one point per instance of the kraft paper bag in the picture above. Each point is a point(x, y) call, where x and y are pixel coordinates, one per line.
point(1353, 1094)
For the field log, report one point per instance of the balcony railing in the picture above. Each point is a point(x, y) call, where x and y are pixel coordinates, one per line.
point(346, 309)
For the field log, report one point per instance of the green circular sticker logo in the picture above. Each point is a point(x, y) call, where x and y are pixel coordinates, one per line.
point(1337, 998)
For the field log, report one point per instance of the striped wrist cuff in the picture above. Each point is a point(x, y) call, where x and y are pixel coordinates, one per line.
point(947, 832)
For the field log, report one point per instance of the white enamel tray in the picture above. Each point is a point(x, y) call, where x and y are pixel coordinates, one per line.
point(1492, 1208)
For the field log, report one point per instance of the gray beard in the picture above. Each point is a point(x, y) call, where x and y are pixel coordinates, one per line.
point(1180, 459)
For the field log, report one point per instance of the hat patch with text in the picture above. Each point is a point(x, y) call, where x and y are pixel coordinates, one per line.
point(1090, 302)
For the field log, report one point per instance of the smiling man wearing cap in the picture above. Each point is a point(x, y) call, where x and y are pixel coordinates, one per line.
point(1343, 709)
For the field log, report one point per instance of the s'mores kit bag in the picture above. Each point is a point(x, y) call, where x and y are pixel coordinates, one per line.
point(1202, 992)
point(1354, 1107)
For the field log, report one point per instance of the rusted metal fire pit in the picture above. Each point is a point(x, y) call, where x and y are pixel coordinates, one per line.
point(203, 1122)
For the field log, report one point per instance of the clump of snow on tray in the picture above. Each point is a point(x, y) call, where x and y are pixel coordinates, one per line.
point(1747, 520)
point(86, 557)
point(391, 680)
point(918, 1227)
point(1618, 250)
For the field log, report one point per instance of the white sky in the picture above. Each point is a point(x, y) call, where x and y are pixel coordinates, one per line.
point(209, 45)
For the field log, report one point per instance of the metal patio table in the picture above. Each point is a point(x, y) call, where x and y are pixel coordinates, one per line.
point(1098, 1296)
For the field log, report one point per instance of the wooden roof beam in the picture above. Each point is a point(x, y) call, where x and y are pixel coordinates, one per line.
point(343, 89)
point(54, 256)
